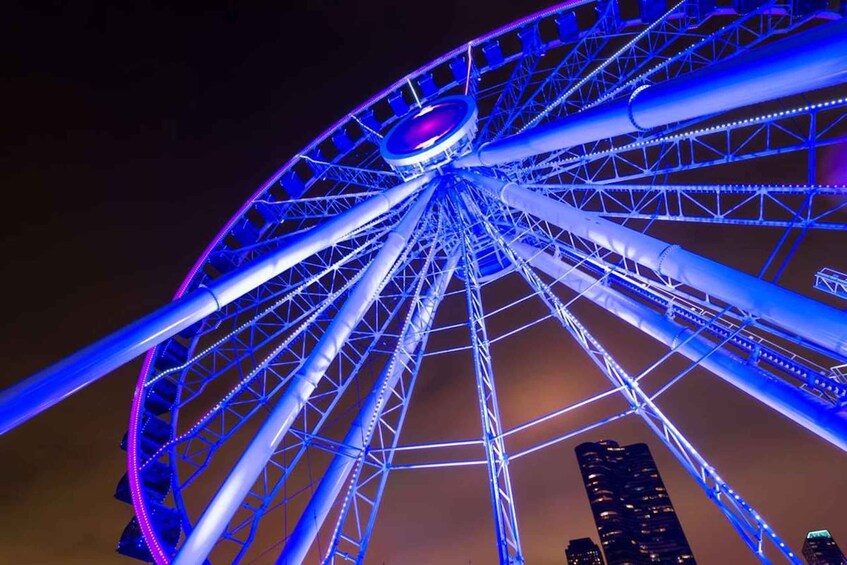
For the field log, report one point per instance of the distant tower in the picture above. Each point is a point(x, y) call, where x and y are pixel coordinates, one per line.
point(583, 551)
point(820, 549)
point(632, 509)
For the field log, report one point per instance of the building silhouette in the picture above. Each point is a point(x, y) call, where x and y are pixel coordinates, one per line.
point(820, 549)
point(583, 551)
point(635, 519)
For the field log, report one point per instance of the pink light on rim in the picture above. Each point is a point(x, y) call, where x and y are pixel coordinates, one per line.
point(470, 64)
point(159, 555)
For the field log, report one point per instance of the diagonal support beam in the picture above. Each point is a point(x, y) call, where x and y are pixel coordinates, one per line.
point(807, 61)
point(367, 484)
point(359, 435)
point(809, 319)
point(49, 386)
point(226, 502)
point(502, 499)
point(816, 415)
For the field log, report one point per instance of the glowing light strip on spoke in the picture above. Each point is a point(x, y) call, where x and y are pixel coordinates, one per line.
point(697, 132)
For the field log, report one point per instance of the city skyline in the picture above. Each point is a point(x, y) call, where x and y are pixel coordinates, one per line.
point(635, 518)
point(583, 551)
point(820, 548)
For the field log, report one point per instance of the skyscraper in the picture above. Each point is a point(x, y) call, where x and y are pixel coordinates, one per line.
point(583, 551)
point(632, 509)
point(820, 549)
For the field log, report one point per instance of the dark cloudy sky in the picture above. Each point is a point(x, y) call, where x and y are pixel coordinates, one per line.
point(130, 134)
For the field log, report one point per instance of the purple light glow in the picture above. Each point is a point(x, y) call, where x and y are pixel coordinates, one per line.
point(138, 503)
point(427, 127)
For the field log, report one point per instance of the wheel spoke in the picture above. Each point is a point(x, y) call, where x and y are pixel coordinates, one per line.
point(502, 499)
point(505, 109)
point(367, 484)
point(739, 35)
point(741, 81)
point(373, 179)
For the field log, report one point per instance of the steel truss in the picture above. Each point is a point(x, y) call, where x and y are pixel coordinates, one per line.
point(366, 487)
point(737, 36)
point(799, 128)
point(831, 281)
point(502, 498)
point(617, 68)
point(787, 206)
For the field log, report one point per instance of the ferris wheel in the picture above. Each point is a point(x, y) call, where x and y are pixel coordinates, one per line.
point(552, 152)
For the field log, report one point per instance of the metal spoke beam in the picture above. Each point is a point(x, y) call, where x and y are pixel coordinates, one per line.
point(502, 499)
point(807, 61)
point(505, 109)
point(743, 32)
point(307, 295)
point(415, 325)
point(35, 394)
point(353, 358)
point(644, 47)
point(369, 178)
point(561, 80)
point(812, 320)
point(319, 410)
point(384, 413)
point(824, 382)
point(824, 419)
point(244, 394)
point(690, 148)
point(223, 506)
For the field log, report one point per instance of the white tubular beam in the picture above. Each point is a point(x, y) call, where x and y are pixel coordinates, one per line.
point(824, 419)
point(815, 58)
point(239, 282)
point(35, 394)
point(226, 502)
point(359, 436)
point(807, 318)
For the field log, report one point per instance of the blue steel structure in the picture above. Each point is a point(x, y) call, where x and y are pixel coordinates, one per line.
point(287, 361)
point(831, 281)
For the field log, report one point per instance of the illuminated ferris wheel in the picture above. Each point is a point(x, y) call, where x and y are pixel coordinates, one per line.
point(268, 413)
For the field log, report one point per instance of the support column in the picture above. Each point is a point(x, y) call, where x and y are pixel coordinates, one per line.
point(807, 318)
point(226, 502)
point(502, 500)
point(22, 401)
point(359, 436)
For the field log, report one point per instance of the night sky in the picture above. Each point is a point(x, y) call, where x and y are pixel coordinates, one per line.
point(131, 134)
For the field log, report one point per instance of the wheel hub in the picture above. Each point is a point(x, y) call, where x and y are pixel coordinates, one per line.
point(431, 137)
